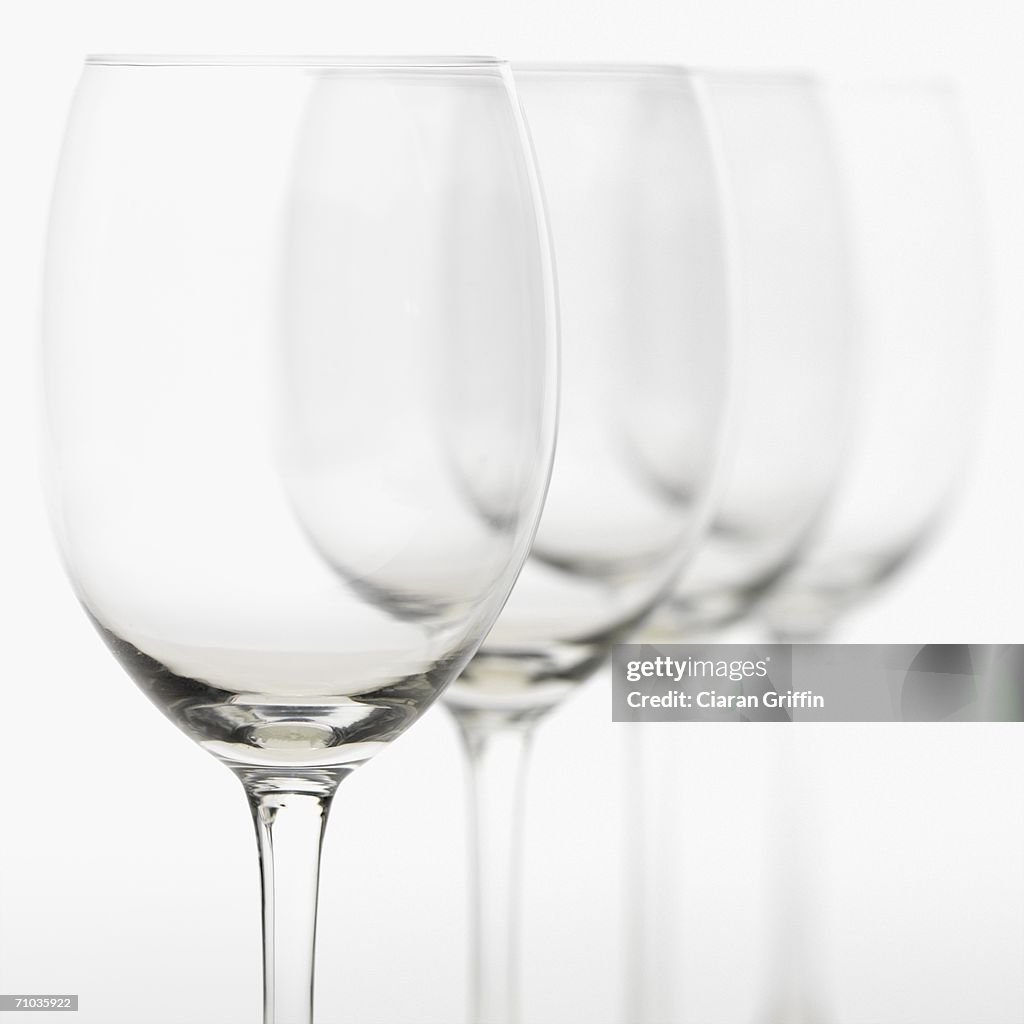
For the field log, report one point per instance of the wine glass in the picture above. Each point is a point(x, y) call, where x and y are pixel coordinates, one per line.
point(792, 325)
point(629, 178)
point(785, 439)
point(921, 272)
point(299, 370)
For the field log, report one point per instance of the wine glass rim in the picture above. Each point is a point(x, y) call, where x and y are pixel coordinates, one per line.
point(934, 82)
point(425, 62)
point(760, 76)
point(597, 68)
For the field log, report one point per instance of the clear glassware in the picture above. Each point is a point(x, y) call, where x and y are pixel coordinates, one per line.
point(921, 273)
point(794, 341)
point(630, 183)
point(299, 373)
point(790, 409)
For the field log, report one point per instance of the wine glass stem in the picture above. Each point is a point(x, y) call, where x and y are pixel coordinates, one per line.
point(793, 957)
point(497, 758)
point(801, 636)
point(651, 858)
point(289, 832)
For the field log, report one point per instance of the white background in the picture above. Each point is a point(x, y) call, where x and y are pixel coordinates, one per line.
point(127, 870)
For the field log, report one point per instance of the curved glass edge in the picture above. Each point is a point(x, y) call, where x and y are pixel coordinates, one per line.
point(425, 63)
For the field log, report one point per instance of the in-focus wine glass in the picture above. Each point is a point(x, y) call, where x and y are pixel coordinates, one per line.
point(921, 274)
point(299, 367)
point(794, 354)
point(629, 179)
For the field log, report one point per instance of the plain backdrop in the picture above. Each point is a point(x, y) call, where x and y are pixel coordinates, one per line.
point(127, 867)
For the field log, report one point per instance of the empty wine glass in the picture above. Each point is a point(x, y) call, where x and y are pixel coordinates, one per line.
point(785, 437)
point(790, 396)
point(921, 274)
point(299, 409)
point(629, 179)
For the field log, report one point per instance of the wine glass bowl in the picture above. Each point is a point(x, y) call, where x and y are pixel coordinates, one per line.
point(281, 341)
point(920, 269)
point(793, 311)
point(629, 178)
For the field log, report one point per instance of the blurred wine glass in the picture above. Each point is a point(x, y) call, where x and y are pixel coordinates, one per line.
point(630, 183)
point(920, 268)
point(790, 407)
point(790, 396)
point(299, 371)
